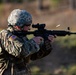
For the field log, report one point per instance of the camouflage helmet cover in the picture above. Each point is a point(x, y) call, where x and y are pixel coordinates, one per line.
point(19, 18)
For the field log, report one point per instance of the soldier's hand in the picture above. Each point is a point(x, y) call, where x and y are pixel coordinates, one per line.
point(51, 38)
point(38, 39)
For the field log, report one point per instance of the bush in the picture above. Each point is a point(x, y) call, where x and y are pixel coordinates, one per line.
point(55, 2)
point(71, 70)
point(68, 41)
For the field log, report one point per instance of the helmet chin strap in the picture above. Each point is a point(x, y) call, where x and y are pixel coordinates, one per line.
point(15, 28)
point(10, 28)
point(18, 28)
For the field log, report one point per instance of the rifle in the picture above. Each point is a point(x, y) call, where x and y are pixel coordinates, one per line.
point(41, 31)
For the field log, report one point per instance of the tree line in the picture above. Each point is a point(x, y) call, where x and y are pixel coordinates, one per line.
point(71, 2)
point(13, 1)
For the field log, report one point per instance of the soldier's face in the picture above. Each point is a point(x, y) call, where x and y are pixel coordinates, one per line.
point(26, 28)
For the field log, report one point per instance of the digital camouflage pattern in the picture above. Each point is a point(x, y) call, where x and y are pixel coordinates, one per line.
point(17, 53)
point(19, 17)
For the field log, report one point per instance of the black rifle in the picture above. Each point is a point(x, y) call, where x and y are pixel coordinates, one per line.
point(41, 31)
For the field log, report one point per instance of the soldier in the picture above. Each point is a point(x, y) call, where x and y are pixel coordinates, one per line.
point(16, 51)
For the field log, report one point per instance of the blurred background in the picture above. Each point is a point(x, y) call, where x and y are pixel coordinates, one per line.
point(58, 15)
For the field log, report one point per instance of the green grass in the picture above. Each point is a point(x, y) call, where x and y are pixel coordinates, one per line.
point(30, 36)
point(67, 41)
point(71, 70)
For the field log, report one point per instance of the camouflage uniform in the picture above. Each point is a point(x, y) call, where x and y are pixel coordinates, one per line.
point(16, 51)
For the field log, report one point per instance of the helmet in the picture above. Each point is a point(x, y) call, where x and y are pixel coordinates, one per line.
point(19, 18)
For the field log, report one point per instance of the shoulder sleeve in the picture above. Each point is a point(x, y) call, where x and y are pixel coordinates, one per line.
point(11, 43)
